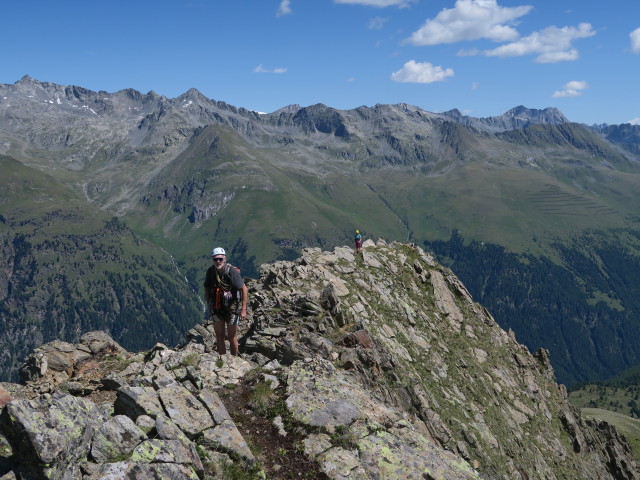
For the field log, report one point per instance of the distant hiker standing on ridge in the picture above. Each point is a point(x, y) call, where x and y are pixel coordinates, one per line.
point(226, 296)
point(358, 241)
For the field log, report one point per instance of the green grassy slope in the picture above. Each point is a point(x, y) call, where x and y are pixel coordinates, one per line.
point(69, 268)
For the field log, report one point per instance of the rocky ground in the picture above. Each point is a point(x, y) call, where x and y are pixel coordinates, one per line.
point(378, 366)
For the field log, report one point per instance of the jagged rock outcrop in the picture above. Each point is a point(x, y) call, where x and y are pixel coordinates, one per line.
point(366, 367)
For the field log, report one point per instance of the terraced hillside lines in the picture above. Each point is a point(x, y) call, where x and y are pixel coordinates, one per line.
point(552, 200)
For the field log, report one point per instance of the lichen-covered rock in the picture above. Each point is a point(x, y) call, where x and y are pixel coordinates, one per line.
point(166, 429)
point(227, 438)
point(144, 471)
point(136, 401)
point(57, 361)
point(167, 451)
point(189, 413)
point(321, 396)
point(100, 342)
point(117, 437)
point(51, 429)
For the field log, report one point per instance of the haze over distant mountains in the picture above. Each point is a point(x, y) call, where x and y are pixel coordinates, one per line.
point(536, 214)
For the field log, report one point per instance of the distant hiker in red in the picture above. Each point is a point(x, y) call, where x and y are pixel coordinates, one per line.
point(358, 241)
point(226, 296)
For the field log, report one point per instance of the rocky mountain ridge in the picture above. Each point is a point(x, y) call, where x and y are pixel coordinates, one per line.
point(372, 366)
point(514, 119)
point(122, 144)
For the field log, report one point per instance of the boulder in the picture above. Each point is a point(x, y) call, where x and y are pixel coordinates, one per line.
point(116, 438)
point(136, 401)
point(100, 342)
point(144, 471)
point(51, 429)
point(188, 413)
point(227, 438)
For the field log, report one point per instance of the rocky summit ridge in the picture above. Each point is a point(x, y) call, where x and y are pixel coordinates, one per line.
point(377, 366)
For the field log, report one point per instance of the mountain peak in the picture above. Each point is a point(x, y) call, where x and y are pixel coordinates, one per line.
point(549, 115)
point(517, 117)
point(288, 109)
point(26, 79)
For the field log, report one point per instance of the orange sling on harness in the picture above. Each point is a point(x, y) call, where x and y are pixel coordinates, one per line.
point(218, 298)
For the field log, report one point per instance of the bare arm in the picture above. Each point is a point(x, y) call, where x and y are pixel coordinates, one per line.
point(245, 301)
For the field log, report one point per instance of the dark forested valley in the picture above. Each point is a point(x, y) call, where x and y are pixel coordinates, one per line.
point(544, 302)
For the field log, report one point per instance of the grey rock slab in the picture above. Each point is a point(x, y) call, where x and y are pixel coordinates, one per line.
point(136, 401)
point(320, 396)
point(144, 471)
point(216, 408)
point(219, 370)
point(99, 341)
point(168, 430)
point(116, 437)
point(405, 454)
point(371, 260)
point(52, 429)
point(227, 438)
point(146, 423)
point(167, 451)
point(189, 413)
point(316, 443)
point(62, 472)
point(341, 464)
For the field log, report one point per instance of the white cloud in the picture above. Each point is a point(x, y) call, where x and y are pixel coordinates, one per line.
point(571, 89)
point(261, 69)
point(634, 121)
point(423, 72)
point(635, 40)
point(472, 52)
point(470, 20)
point(551, 44)
point(284, 9)
point(377, 23)
point(378, 3)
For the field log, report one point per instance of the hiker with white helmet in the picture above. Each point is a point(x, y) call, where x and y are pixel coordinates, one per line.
point(227, 296)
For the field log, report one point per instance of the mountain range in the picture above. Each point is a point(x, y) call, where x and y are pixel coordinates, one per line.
point(536, 214)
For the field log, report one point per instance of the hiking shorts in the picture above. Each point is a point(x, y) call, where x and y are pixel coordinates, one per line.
point(229, 318)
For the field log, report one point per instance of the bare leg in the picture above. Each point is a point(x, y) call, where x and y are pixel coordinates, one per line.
point(218, 327)
point(233, 339)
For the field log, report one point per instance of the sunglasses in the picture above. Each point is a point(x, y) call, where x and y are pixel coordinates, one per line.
point(218, 259)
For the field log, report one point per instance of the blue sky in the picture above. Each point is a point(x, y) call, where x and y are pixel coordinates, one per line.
point(482, 57)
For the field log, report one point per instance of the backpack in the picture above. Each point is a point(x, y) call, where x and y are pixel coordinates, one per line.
point(225, 295)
